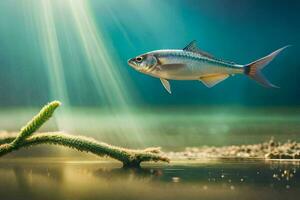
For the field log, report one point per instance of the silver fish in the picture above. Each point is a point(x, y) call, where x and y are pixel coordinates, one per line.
point(191, 63)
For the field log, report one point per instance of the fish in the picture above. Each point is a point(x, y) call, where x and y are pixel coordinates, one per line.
point(192, 63)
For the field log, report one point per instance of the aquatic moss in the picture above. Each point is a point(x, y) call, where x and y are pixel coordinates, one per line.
point(36, 122)
point(25, 138)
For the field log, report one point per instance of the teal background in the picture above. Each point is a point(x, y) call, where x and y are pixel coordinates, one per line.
point(76, 51)
point(241, 31)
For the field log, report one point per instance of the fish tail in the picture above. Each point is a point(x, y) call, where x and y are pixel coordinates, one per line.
point(253, 70)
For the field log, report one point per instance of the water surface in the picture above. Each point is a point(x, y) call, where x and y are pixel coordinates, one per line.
point(208, 179)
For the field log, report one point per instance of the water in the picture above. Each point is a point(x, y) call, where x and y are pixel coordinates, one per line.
point(176, 128)
point(209, 179)
point(76, 51)
point(87, 34)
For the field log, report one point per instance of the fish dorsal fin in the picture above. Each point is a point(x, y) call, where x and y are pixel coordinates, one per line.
point(166, 85)
point(192, 47)
point(210, 81)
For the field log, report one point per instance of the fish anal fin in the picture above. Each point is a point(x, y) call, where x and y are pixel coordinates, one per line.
point(166, 85)
point(192, 47)
point(213, 80)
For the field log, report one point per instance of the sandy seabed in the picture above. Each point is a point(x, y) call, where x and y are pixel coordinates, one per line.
point(265, 150)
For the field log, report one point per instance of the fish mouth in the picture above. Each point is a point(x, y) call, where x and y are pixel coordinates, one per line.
point(131, 63)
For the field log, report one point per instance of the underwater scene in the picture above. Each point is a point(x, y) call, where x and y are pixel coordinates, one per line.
point(149, 99)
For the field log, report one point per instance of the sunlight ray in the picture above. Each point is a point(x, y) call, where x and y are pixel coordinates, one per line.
point(57, 22)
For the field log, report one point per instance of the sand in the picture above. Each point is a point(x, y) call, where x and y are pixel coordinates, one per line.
point(265, 150)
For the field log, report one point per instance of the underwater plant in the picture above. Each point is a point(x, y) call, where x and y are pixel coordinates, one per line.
point(25, 138)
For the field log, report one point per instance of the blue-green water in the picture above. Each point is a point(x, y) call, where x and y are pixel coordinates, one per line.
point(239, 31)
point(171, 129)
point(76, 51)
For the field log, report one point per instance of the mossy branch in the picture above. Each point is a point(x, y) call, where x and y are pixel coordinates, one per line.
point(37, 121)
point(129, 157)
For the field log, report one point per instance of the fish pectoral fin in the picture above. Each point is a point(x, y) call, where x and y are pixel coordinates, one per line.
point(210, 81)
point(166, 85)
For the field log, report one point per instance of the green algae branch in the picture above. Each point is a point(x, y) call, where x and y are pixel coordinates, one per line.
point(25, 138)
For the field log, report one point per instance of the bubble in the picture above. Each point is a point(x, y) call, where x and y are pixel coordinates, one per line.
point(175, 179)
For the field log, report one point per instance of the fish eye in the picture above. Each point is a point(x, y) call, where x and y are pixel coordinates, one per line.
point(139, 59)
